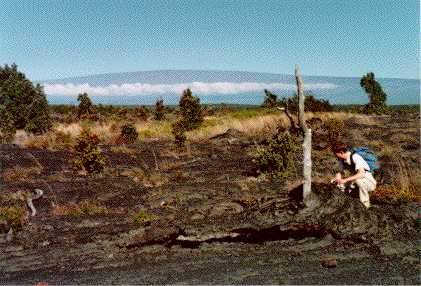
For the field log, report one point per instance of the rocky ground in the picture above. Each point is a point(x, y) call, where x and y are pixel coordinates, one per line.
point(158, 217)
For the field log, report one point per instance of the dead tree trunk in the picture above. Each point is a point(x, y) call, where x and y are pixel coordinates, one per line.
point(307, 135)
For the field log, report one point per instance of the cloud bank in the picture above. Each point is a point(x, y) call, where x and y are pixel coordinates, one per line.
point(200, 88)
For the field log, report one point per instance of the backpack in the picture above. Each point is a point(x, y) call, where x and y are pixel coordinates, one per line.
point(368, 156)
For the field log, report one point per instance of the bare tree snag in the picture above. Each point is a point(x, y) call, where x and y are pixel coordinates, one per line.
point(294, 125)
point(307, 135)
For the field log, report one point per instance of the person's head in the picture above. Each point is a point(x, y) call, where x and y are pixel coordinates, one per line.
point(340, 150)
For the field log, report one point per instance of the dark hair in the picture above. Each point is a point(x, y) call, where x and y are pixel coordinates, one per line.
point(339, 147)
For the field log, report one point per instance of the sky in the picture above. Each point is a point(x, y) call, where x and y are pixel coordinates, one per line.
point(59, 39)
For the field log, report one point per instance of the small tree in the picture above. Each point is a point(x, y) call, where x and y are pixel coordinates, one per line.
point(271, 99)
point(26, 104)
point(159, 109)
point(85, 108)
point(90, 156)
point(7, 127)
point(375, 93)
point(191, 111)
point(277, 158)
point(129, 133)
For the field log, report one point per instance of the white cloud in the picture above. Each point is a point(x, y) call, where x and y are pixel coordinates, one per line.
point(136, 89)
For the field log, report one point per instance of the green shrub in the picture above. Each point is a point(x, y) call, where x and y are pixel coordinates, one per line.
point(179, 132)
point(129, 133)
point(335, 129)
point(190, 110)
point(7, 128)
point(311, 104)
point(141, 217)
point(86, 109)
point(15, 216)
point(159, 110)
point(26, 104)
point(90, 157)
point(276, 160)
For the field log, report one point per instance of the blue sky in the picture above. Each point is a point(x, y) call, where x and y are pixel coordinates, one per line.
point(57, 39)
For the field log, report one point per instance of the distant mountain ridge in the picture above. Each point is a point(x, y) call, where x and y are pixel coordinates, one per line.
point(167, 84)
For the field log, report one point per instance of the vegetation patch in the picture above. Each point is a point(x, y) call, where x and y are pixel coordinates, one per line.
point(84, 208)
point(276, 160)
point(335, 129)
point(129, 133)
point(20, 174)
point(15, 216)
point(90, 156)
point(143, 218)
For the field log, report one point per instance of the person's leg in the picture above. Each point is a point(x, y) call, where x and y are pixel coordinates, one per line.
point(364, 186)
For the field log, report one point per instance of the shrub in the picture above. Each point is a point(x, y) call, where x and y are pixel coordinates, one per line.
point(15, 216)
point(335, 129)
point(85, 109)
point(191, 111)
point(159, 109)
point(142, 113)
point(277, 158)
point(141, 217)
point(84, 208)
point(395, 194)
point(7, 127)
point(311, 104)
point(25, 103)
point(377, 97)
point(90, 157)
point(129, 133)
point(179, 132)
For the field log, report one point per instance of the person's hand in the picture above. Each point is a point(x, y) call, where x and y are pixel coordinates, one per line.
point(340, 181)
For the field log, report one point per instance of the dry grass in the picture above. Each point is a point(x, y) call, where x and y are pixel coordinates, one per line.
point(80, 209)
point(123, 149)
point(249, 126)
point(21, 174)
point(405, 185)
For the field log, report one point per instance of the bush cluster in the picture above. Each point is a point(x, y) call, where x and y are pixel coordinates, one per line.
point(129, 133)
point(276, 160)
point(90, 156)
point(22, 104)
point(311, 104)
point(15, 216)
point(7, 127)
point(159, 111)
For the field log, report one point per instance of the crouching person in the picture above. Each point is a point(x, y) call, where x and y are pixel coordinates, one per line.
point(359, 168)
